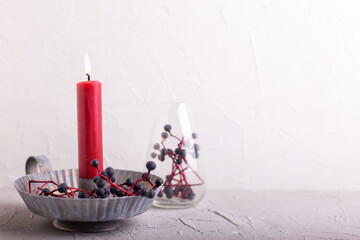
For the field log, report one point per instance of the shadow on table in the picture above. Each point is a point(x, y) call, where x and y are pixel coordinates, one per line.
point(17, 220)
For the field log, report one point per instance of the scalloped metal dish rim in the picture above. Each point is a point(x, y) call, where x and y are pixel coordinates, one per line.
point(123, 213)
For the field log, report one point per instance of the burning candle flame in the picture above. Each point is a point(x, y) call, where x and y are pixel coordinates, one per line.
point(87, 66)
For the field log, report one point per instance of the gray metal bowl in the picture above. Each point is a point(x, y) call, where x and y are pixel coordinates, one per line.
point(78, 210)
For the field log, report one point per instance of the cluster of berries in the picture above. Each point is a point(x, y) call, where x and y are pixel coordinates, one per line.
point(105, 185)
point(176, 183)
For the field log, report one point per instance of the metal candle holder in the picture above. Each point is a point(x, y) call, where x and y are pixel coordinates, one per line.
point(85, 215)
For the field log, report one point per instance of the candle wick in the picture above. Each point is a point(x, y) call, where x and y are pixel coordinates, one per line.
point(88, 75)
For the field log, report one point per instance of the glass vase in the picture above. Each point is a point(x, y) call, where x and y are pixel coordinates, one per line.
point(175, 150)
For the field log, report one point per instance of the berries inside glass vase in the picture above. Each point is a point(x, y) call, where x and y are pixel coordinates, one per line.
point(105, 185)
point(177, 183)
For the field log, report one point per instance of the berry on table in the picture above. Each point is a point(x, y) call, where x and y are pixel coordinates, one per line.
point(156, 146)
point(179, 161)
point(194, 135)
point(153, 155)
point(150, 165)
point(160, 194)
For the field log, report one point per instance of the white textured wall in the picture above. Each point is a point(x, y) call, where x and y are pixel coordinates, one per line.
point(275, 85)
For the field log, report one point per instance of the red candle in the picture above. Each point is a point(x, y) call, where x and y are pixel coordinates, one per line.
point(89, 115)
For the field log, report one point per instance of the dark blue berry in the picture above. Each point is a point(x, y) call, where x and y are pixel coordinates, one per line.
point(96, 178)
point(144, 192)
point(151, 193)
point(191, 196)
point(177, 192)
point(168, 191)
point(62, 188)
point(119, 193)
point(194, 135)
point(129, 182)
point(107, 191)
point(153, 155)
point(94, 163)
point(109, 171)
point(138, 187)
point(104, 173)
point(177, 151)
point(167, 177)
point(113, 179)
point(82, 195)
point(100, 192)
point(113, 190)
point(160, 194)
point(159, 182)
point(182, 153)
point(156, 146)
point(164, 135)
point(179, 161)
point(164, 151)
point(169, 196)
point(100, 183)
point(150, 165)
point(167, 127)
point(45, 191)
point(161, 158)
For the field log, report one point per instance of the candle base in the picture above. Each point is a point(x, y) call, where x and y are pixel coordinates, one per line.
point(87, 184)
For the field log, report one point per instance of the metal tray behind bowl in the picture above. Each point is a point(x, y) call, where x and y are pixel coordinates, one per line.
point(85, 215)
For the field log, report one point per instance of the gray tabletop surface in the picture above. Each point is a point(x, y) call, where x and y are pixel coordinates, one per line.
point(220, 215)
